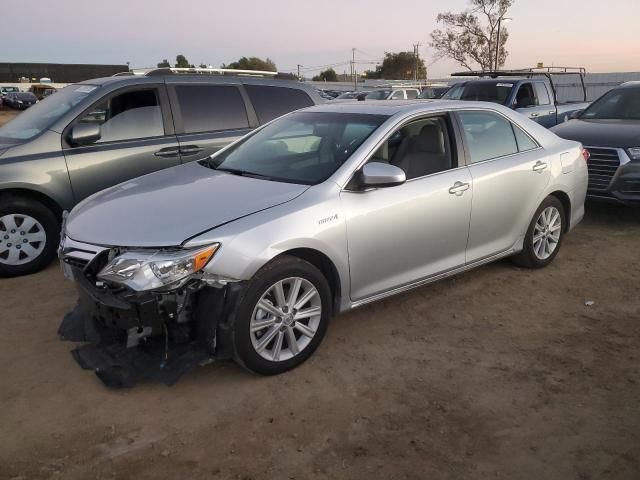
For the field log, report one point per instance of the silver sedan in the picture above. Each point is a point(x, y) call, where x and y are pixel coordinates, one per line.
point(249, 253)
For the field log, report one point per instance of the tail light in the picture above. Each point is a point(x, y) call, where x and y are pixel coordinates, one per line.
point(586, 155)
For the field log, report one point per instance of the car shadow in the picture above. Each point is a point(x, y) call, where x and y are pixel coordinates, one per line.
point(606, 214)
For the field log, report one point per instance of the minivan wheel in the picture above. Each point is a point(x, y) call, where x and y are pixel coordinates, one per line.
point(29, 236)
point(544, 235)
point(282, 317)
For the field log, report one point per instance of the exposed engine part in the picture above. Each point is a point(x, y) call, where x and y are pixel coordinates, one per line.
point(134, 335)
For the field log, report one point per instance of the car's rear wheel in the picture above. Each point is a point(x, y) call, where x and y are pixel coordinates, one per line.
point(283, 316)
point(544, 235)
point(29, 236)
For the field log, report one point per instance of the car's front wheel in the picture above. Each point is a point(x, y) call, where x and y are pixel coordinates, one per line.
point(544, 235)
point(29, 236)
point(283, 316)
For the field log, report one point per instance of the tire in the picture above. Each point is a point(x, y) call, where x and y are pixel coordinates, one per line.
point(262, 287)
point(544, 235)
point(28, 250)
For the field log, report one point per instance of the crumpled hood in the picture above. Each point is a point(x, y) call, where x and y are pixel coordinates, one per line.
point(601, 133)
point(166, 208)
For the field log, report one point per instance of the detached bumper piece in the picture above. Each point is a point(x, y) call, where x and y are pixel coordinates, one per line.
point(121, 367)
point(129, 337)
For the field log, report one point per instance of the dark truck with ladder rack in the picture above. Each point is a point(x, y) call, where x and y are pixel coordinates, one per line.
point(530, 92)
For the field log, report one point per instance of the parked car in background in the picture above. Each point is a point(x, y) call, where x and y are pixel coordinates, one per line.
point(5, 90)
point(329, 94)
point(325, 95)
point(528, 92)
point(433, 92)
point(95, 134)
point(610, 130)
point(393, 94)
point(352, 95)
point(248, 254)
point(40, 91)
point(20, 100)
point(48, 92)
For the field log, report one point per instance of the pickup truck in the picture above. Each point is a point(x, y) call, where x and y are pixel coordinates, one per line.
point(533, 97)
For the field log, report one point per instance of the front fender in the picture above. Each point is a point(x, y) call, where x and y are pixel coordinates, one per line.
point(312, 221)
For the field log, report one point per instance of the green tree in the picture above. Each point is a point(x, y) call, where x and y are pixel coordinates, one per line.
point(470, 37)
point(401, 66)
point(203, 65)
point(182, 62)
point(329, 75)
point(373, 74)
point(164, 63)
point(253, 63)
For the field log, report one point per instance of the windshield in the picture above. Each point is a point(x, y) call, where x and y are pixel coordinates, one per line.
point(378, 95)
point(41, 116)
point(480, 92)
point(304, 147)
point(622, 103)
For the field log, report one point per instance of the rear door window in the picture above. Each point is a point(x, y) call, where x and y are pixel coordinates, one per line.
point(488, 135)
point(411, 94)
point(273, 102)
point(524, 141)
point(208, 108)
point(128, 116)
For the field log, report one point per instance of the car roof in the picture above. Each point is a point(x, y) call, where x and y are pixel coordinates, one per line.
point(392, 107)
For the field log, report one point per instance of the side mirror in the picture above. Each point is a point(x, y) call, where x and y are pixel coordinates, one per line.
point(362, 97)
point(380, 175)
point(85, 134)
point(575, 114)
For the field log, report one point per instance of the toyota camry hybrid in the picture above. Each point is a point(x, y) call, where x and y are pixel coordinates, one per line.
point(247, 254)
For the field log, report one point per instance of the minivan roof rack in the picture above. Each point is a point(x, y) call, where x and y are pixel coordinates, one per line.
point(152, 72)
point(530, 72)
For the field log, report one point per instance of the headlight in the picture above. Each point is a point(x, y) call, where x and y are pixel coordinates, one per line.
point(20, 101)
point(634, 153)
point(143, 270)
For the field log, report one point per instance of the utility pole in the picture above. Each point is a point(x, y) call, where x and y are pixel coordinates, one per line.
point(354, 75)
point(299, 72)
point(416, 55)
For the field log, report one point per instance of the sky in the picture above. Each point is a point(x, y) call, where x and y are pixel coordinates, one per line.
point(600, 35)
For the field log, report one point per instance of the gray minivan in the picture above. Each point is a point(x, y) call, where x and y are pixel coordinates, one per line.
point(98, 133)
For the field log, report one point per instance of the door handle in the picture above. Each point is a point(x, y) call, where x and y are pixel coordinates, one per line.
point(552, 112)
point(459, 188)
point(190, 149)
point(168, 152)
point(539, 166)
point(534, 114)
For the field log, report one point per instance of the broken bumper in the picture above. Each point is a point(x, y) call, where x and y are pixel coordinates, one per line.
point(130, 337)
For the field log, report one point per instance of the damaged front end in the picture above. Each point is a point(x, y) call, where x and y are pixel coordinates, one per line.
point(131, 333)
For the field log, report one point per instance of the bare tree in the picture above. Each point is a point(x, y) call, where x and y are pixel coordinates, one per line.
point(470, 37)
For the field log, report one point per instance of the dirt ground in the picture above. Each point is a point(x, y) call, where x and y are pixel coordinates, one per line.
point(497, 373)
point(7, 114)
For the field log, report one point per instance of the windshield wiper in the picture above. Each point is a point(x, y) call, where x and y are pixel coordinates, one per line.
point(243, 173)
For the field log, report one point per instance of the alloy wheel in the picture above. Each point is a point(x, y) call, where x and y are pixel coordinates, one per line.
point(285, 319)
point(547, 232)
point(22, 239)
